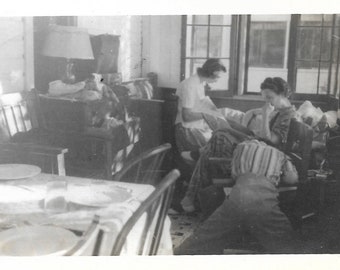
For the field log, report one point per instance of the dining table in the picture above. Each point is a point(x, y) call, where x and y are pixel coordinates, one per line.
point(23, 205)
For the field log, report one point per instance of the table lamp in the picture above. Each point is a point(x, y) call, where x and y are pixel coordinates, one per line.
point(68, 42)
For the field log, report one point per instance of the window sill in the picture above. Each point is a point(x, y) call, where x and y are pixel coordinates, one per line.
point(245, 102)
point(243, 97)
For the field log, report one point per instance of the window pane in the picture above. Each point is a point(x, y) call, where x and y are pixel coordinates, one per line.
point(267, 44)
point(189, 19)
point(256, 76)
point(222, 83)
point(308, 43)
point(219, 42)
point(333, 80)
point(191, 66)
point(337, 20)
point(328, 20)
point(326, 44)
point(311, 20)
point(197, 41)
point(307, 78)
point(268, 49)
point(200, 19)
point(220, 19)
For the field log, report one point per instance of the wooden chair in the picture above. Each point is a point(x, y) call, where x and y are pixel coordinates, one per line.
point(22, 139)
point(92, 232)
point(155, 207)
point(49, 159)
point(298, 147)
point(295, 201)
point(146, 168)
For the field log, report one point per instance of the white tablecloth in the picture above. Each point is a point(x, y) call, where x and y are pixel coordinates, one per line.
point(18, 210)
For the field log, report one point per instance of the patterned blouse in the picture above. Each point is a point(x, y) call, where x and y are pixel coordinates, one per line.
point(279, 123)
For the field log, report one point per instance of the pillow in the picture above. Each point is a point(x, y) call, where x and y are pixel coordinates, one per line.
point(309, 114)
point(140, 88)
point(332, 117)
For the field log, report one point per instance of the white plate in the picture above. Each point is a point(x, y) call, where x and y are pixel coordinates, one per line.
point(36, 241)
point(18, 171)
point(97, 197)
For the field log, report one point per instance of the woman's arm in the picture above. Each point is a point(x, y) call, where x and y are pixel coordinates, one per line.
point(265, 130)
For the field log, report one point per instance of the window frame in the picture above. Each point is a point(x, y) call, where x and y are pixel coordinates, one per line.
point(232, 69)
point(292, 58)
point(333, 26)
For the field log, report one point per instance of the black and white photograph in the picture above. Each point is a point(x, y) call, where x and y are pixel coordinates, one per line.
point(170, 135)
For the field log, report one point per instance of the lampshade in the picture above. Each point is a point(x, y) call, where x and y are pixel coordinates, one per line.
point(68, 42)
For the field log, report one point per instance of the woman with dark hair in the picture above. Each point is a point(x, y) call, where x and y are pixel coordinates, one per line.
point(276, 116)
point(192, 132)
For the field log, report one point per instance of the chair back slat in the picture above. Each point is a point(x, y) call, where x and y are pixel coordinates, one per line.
point(92, 232)
point(14, 114)
point(156, 207)
point(146, 168)
point(299, 142)
point(22, 118)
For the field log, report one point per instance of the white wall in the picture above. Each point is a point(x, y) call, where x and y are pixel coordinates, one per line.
point(16, 54)
point(162, 48)
point(129, 28)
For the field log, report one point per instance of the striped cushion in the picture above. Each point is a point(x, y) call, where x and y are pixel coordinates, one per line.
point(257, 157)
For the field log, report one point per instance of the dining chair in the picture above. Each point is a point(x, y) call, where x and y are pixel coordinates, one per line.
point(145, 168)
point(155, 207)
point(92, 232)
point(22, 136)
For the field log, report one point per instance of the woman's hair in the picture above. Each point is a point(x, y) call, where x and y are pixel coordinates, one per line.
point(277, 85)
point(209, 67)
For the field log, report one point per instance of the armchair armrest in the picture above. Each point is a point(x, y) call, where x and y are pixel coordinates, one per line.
point(295, 157)
point(286, 187)
point(31, 147)
point(50, 159)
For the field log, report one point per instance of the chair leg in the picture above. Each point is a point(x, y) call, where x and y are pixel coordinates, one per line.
point(61, 164)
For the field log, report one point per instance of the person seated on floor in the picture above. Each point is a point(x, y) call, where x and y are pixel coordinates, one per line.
point(276, 116)
point(191, 131)
point(252, 205)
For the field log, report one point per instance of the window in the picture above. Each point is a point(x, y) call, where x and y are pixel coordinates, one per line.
point(206, 36)
point(317, 54)
point(268, 37)
point(16, 55)
point(267, 44)
point(302, 49)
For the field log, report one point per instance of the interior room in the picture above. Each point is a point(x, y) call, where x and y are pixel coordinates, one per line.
point(94, 114)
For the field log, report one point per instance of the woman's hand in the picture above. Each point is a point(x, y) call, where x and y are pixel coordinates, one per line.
point(267, 109)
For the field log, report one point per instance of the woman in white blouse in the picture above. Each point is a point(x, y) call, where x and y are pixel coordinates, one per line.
point(192, 132)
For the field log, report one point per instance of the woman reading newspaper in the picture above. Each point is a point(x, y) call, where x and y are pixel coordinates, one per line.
point(276, 116)
point(192, 131)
